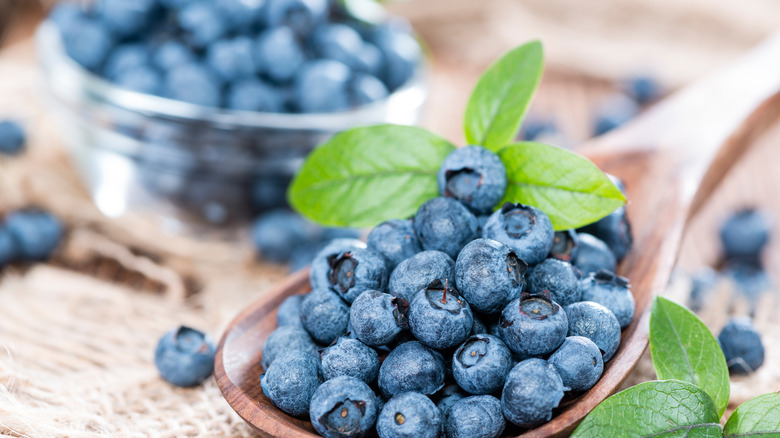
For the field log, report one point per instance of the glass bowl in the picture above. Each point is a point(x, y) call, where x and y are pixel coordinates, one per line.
point(185, 166)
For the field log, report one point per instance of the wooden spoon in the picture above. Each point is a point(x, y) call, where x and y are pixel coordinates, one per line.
point(671, 158)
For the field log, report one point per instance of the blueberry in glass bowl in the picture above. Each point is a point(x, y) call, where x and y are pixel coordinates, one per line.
point(196, 114)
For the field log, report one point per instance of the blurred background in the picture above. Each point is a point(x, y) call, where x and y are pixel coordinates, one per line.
point(128, 281)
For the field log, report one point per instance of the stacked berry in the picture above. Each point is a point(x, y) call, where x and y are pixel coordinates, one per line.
point(482, 312)
point(270, 56)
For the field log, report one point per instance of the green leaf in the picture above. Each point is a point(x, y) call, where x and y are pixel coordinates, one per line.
point(367, 175)
point(667, 408)
point(683, 348)
point(502, 95)
point(756, 418)
point(565, 185)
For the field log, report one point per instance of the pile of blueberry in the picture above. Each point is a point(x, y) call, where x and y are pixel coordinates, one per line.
point(454, 321)
point(28, 236)
point(270, 56)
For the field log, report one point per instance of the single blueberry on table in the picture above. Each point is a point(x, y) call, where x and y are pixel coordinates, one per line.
point(745, 233)
point(355, 271)
point(593, 254)
point(254, 95)
point(7, 247)
point(232, 58)
point(202, 23)
point(535, 127)
point(741, 345)
point(489, 275)
point(411, 366)
point(278, 54)
point(171, 54)
point(448, 396)
point(364, 89)
point(142, 79)
point(184, 356)
point(419, 271)
point(614, 230)
point(350, 357)
point(478, 416)
point(321, 86)
point(533, 325)
point(302, 16)
point(127, 18)
point(613, 113)
point(597, 323)
point(36, 234)
point(291, 380)
point(564, 245)
point(444, 224)
point(343, 407)
point(579, 363)
point(277, 232)
point(409, 415)
point(644, 89)
point(87, 41)
point(473, 175)
point(559, 278)
point(394, 239)
point(439, 317)
point(703, 284)
point(525, 229)
point(481, 364)
point(532, 390)
point(193, 83)
point(286, 338)
point(12, 138)
point(611, 291)
point(324, 315)
point(377, 318)
point(125, 57)
point(289, 312)
point(318, 275)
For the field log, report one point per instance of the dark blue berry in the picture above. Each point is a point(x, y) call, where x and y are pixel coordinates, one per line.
point(593, 254)
point(350, 357)
point(12, 138)
point(614, 230)
point(142, 79)
point(171, 54)
point(703, 283)
point(741, 345)
point(394, 239)
point(579, 363)
point(479, 327)
point(184, 356)
point(364, 89)
point(286, 338)
point(302, 16)
point(321, 86)
point(478, 416)
point(289, 312)
point(64, 13)
point(232, 59)
point(377, 318)
point(745, 233)
point(291, 380)
point(564, 245)
point(254, 95)
point(338, 42)
point(613, 113)
point(559, 278)
point(474, 176)
point(127, 18)
point(36, 234)
point(318, 276)
point(525, 229)
point(278, 54)
point(324, 315)
point(241, 15)
point(87, 41)
point(401, 56)
point(448, 396)
point(343, 407)
point(644, 89)
point(125, 57)
point(202, 23)
point(355, 271)
point(411, 366)
point(277, 232)
point(481, 364)
point(749, 279)
point(418, 271)
point(611, 291)
point(193, 83)
point(532, 390)
point(597, 323)
point(439, 317)
point(489, 275)
point(535, 127)
point(303, 255)
point(7, 247)
point(444, 224)
point(533, 325)
point(409, 415)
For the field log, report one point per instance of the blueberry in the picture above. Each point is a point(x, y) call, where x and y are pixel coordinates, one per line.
point(255, 95)
point(702, 286)
point(202, 23)
point(401, 56)
point(87, 42)
point(377, 318)
point(489, 275)
point(478, 416)
point(277, 232)
point(241, 15)
point(614, 112)
point(535, 127)
point(474, 176)
point(285, 338)
point(439, 317)
point(419, 271)
point(193, 83)
point(324, 315)
point(350, 357)
point(411, 366)
point(409, 415)
point(564, 245)
point(611, 291)
point(36, 233)
point(302, 16)
point(745, 233)
point(394, 239)
point(479, 327)
point(525, 229)
point(741, 345)
point(559, 278)
point(597, 323)
point(533, 325)
point(614, 230)
point(63, 14)
point(171, 54)
point(184, 357)
point(593, 254)
point(364, 89)
point(278, 54)
point(321, 86)
point(532, 390)
point(357, 270)
point(7, 247)
point(127, 18)
point(370, 60)
point(444, 224)
point(303, 255)
point(318, 276)
point(123, 58)
point(142, 79)
point(644, 89)
point(448, 396)
point(12, 138)
point(343, 407)
point(291, 380)
point(289, 312)
point(579, 363)
point(232, 58)
point(481, 364)
point(338, 42)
